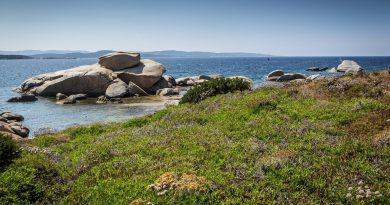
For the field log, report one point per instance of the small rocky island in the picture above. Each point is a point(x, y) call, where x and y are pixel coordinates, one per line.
point(117, 75)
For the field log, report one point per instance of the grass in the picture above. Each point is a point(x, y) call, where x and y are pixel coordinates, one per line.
point(299, 144)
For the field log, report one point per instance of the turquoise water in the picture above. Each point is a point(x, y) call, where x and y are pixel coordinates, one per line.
point(45, 114)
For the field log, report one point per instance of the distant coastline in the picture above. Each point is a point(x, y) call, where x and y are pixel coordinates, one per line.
point(153, 54)
point(14, 57)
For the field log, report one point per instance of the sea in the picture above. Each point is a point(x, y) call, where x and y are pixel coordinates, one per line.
point(45, 115)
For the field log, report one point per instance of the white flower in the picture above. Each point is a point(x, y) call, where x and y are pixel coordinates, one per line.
point(349, 195)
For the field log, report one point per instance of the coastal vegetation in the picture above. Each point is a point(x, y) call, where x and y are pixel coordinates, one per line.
point(324, 141)
point(215, 87)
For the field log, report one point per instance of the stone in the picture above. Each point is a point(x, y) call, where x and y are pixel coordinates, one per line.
point(289, 77)
point(120, 60)
point(60, 96)
point(317, 69)
point(102, 100)
point(313, 77)
point(72, 99)
point(92, 80)
point(145, 75)
point(23, 98)
point(5, 127)
point(165, 81)
point(117, 89)
point(19, 129)
point(299, 76)
point(168, 91)
point(116, 100)
point(133, 90)
point(14, 136)
point(285, 77)
point(332, 70)
point(275, 73)
point(349, 65)
point(12, 116)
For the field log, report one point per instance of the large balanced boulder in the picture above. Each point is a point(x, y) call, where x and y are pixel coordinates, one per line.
point(145, 75)
point(92, 80)
point(349, 66)
point(119, 60)
point(117, 89)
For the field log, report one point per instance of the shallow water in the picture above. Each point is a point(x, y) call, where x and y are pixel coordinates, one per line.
point(44, 113)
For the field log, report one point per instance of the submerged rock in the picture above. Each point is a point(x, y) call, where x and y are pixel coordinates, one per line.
point(23, 98)
point(317, 69)
point(72, 99)
point(119, 60)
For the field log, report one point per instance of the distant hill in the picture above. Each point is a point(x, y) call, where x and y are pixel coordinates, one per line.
point(72, 55)
point(36, 52)
point(13, 57)
point(58, 54)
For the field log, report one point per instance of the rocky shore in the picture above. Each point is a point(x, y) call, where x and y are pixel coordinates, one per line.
point(10, 124)
point(116, 76)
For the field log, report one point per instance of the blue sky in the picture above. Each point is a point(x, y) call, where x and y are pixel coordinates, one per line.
point(279, 27)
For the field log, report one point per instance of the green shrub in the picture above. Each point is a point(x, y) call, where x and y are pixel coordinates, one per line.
point(215, 87)
point(8, 150)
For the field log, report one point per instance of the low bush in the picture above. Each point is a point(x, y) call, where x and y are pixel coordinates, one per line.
point(8, 150)
point(215, 87)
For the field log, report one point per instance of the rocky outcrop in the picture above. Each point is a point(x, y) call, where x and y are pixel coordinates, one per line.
point(274, 75)
point(349, 66)
point(23, 98)
point(92, 80)
point(11, 125)
point(145, 75)
point(132, 76)
point(120, 60)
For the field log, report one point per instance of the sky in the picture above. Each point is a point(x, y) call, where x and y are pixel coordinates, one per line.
point(277, 27)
